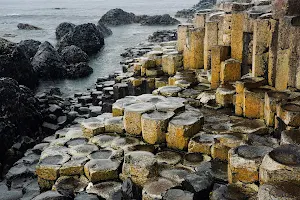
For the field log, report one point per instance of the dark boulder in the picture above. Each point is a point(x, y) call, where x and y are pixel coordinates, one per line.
point(14, 64)
point(104, 29)
point(63, 29)
point(27, 27)
point(19, 115)
point(78, 70)
point(85, 36)
point(117, 17)
point(29, 48)
point(73, 54)
point(160, 20)
point(201, 5)
point(6, 47)
point(48, 63)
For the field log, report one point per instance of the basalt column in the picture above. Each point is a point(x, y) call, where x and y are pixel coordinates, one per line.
point(211, 39)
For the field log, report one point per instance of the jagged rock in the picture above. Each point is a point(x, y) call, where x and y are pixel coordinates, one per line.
point(117, 17)
point(14, 64)
point(160, 20)
point(78, 70)
point(29, 48)
point(189, 13)
point(73, 54)
point(47, 62)
point(27, 27)
point(104, 29)
point(130, 190)
point(85, 36)
point(63, 29)
point(19, 113)
point(163, 36)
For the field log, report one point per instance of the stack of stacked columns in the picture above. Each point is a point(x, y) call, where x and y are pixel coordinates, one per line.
point(218, 106)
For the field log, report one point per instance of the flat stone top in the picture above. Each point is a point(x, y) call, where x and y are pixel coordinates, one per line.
point(122, 103)
point(169, 89)
point(170, 157)
point(193, 157)
point(140, 157)
point(277, 95)
point(252, 152)
point(102, 164)
point(156, 115)
point(140, 107)
point(291, 107)
point(83, 149)
point(158, 187)
point(57, 159)
point(289, 190)
point(150, 98)
point(204, 138)
point(287, 155)
point(184, 119)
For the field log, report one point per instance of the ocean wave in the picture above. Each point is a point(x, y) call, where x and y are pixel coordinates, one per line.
point(12, 14)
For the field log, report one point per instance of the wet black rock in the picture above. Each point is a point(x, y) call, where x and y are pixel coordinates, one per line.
point(63, 29)
point(6, 47)
point(130, 190)
point(160, 20)
point(189, 13)
point(22, 26)
point(29, 48)
point(163, 36)
point(14, 64)
point(104, 29)
point(78, 70)
point(117, 17)
point(53, 195)
point(47, 63)
point(85, 36)
point(73, 54)
point(19, 115)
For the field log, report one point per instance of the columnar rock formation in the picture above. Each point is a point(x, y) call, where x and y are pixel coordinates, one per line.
point(214, 115)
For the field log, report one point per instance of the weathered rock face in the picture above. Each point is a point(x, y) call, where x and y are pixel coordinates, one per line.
point(27, 27)
point(85, 36)
point(104, 29)
point(160, 20)
point(78, 70)
point(73, 54)
point(14, 64)
point(19, 114)
point(47, 62)
point(117, 17)
point(203, 4)
point(63, 29)
point(29, 47)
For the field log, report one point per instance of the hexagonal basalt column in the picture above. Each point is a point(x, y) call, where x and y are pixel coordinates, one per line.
point(289, 113)
point(83, 150)
point(290, 137)
point(101, 170)
point(155, 125)
point(201, 143)
point(234, 192)
point(224, 96)
point(169, 106)
point(133, 117)
point(169, 91)
point(230, 71)
point(92, 127)
point(119, 106)
point(114, 125)
point(49, 165)
point(222, 145)
point(168, 157)
point(281, 164)
point(155, 189)
point(140, 166)
point(279, 191)
point(182, 128)
point(272, 98)
point(244, 162)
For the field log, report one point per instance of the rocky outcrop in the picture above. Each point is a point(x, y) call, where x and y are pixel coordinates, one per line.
point(163, 36)
point(19, 115)
point(117, 17)
point(104, 29)
point(15, 64)
point(29, 48)
point(78, 70)
point(189, 13)
point(63, 29)
point(85, 36)
point(160, 20)
point(73, 54)
point(27, 27)
point(47, 63)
